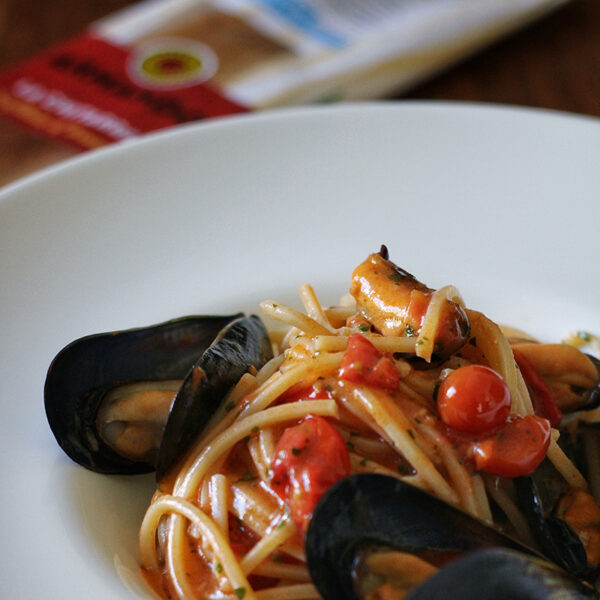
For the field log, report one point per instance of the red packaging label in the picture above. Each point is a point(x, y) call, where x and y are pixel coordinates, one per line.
point(90, 92)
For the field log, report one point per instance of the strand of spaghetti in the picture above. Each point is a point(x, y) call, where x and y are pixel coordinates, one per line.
point(210, 533)
point(269, 368)
point(565, 467)
point(420, 384)
point(262, 468)
point(431, 321)
point(188, 480)
point(267, 444)
point(278, 535)
point(336, 343)
point(312, 305)
point(524, 393)
point(281, 570)
point(494, 345)
point(510, 509)
point(367, 446)
point(338, 315)
point(300, 591)
point(415, 396)
point(482, 499)
point(258, 512)
point(399, 429)
point(292, 317)
point(218, 491)
point(459, 476)
point(319, 365)
point(361, 464)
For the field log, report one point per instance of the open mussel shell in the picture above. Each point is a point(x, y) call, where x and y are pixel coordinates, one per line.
point(500, 574)
point(82, 375)
point(243, 344)
point(368, 510)
point(538, 495)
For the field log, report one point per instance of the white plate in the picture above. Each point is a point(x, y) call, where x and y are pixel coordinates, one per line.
point(503, 203)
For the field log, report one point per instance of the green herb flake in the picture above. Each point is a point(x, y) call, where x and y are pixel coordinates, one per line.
point(274, 306)
point(411, 433)
point(254, 429)
point(247, 476)
point(278, 558)
point(282, 524)
point(296, 451)
point(363, 462)
point(364, 327)
point(410, 332)
point(350, 446)
point(584, 335)
point(240, 592)
point(473, 341)
point(396, 277)
point(230, 406)
point(417, 421)
point(219, 568)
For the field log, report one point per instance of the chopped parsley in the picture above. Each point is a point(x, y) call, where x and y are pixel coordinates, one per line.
point(247, 476)
point(404, 469)
point(396, 277)
point(584, 335)
point(230, 405)
point(240, 592)
point(364, 327)
point(296, 451)
point(219, 568)
point(363, 462)
point(410, 332)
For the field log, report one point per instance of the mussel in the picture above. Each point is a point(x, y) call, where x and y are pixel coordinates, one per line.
point(395, 303)
point(368, 511)
point(109, 396)
point(369, 530)
point(500, 574)
point(572, 376)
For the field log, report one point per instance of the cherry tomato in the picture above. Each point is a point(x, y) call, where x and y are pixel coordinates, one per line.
point(473, 399)
point(309, 458)
point(363, 363)
point(542, 397)
point(516, 449)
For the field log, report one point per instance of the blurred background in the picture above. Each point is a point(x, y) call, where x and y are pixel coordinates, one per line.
point(553, 63)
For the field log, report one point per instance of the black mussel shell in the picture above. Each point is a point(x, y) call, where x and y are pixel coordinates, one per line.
point(499, 574)
point(368, 510)
point(538, 495)
point(244, 343)
point(85, 371)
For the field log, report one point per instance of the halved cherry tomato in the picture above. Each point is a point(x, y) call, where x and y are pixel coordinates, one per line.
point(473, 399)
point(542, 397)
point(363, 363)
point(516, 449)
point(309, 458)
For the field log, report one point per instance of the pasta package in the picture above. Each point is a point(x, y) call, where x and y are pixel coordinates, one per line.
point(162, 63)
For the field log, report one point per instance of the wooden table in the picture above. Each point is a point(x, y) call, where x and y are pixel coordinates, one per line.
point(553, 64)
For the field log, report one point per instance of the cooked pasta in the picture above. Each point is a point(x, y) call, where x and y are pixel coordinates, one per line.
point(223, 526)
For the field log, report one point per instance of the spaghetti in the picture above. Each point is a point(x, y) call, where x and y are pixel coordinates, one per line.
point(344, 389)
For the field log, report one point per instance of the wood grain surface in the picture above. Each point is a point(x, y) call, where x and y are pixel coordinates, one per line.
point(553, 64)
